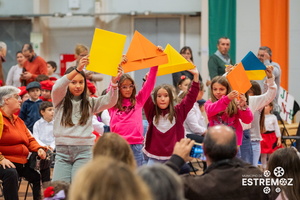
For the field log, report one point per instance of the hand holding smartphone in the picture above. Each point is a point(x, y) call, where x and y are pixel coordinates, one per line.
point(196, 151)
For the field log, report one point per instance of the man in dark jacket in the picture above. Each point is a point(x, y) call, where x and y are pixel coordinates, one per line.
point(226, 177)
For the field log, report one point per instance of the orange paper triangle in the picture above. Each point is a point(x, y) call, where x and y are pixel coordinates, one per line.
point(143, 54)
point(177, 62)
point(238, 79)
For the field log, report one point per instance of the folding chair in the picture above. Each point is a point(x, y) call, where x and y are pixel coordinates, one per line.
point(27, 187)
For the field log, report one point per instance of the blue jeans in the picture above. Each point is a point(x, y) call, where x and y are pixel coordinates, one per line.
point(138, 153)
point(152, 161)
point(69, 159)
point(256, 152)
point(246, 148)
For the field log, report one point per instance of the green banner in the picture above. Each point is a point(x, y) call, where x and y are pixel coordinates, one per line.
point(222, 23)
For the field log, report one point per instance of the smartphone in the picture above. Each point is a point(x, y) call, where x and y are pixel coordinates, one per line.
point(196, 151)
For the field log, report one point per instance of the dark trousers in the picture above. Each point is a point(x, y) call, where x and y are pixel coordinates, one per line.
point(10, 179)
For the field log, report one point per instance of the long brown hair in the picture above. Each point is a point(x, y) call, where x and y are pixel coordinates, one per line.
point(289, 160)
point(171, 106)
point(114, 146)
point(232, 107)
point(85, 106)
point(255, 88)
point(132, 97)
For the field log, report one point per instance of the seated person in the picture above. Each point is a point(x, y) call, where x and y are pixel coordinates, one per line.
point(15, 144)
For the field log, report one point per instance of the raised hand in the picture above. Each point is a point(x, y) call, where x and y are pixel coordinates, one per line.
point(115, 79)
point(269, 71)
point(233, 94)
point(83, 62)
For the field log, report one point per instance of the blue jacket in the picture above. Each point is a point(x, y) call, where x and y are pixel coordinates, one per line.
point(30, 112)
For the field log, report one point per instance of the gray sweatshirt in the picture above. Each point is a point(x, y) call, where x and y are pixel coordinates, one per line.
point(77, 134)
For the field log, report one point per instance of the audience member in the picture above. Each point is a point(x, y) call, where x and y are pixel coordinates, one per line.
point(42, 77)
point(14, 73)
point(52, 67)
point(187, 53)
point(217, 61)
point(73, 119)
point(106, 178)
point(34, 64)
point(15, 144)
point(46, 88)
point(289, 160)
point(30, 108)
point(164, 184)
point(3, 50)
point(114, 146)
point(223, 177)
point(183, 84)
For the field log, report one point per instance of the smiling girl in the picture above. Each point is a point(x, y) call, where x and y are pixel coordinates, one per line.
point(223, 108)
point(166, 120)
point(73, 119)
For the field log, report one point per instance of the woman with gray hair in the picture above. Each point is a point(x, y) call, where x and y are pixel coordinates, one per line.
point(164, 184)
point(15, 144)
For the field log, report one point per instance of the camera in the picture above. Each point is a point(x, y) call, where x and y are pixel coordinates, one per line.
point(196, 151)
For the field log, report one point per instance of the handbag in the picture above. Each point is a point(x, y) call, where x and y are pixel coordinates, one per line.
point(36, 163)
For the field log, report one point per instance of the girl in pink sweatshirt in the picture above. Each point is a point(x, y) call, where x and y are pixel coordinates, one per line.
point(224, 108)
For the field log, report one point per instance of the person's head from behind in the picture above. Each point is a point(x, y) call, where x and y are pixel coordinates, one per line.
point(57, 190)
point(46, 88)
point(114, 146)
point(255, 89)
point(81, 51)
point(20, 58)
point(47, 111)
point(76, 89)
point(127, 90)
point(187, 53)
point(184, 83)
point(106, 178)
point(10, 99)
point(262, 51)
point(164, 184)
point(34, 90)
point(28, 51)
point(51, 66)
point(289, 160)
point(219, 143)
point(223, 45)
point(41, 77)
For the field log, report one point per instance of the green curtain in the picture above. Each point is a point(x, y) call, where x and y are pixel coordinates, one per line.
point(222, 23)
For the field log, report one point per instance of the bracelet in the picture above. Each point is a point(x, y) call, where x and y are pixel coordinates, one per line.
point(77, 70)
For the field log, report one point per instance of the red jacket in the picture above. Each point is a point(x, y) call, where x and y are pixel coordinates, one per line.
point(16, 141)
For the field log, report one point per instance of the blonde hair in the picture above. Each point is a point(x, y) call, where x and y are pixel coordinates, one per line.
point(106, 178)
point(114, 146)
point(80, 48)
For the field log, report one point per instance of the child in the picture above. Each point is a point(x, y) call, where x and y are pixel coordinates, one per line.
point(223, 108)
point(166, 120)
point(126, 115)
point(30, 110)
point(183, 84)
point(46, 88)
point(51, 66)
point(43, 128)
point(73, 119)
point(271, 137)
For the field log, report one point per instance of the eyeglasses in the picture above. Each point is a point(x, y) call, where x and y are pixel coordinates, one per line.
point(125, 87)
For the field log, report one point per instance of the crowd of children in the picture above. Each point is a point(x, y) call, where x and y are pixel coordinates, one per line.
point(66, 115)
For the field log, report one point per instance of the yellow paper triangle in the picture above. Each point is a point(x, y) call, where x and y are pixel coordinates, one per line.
point(176, 62)
point(106, 52)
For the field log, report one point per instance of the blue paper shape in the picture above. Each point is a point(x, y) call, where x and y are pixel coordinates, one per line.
point(251, 62)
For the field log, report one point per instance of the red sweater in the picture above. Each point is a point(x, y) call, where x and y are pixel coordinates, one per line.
point(36, 67)
point(16, 141)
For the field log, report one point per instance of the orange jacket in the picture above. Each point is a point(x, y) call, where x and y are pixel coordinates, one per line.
point(16, 141)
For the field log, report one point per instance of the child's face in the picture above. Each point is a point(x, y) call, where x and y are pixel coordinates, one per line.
point(76, 86)
point(219, 90)
point(268, 109)
point(48, 114)
point(187, 54)
point(184, 86)
point(25, 97)
point(50, 69)
point(126, 88)
point(34, 93)
point(162, 99)
point(46, 94)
